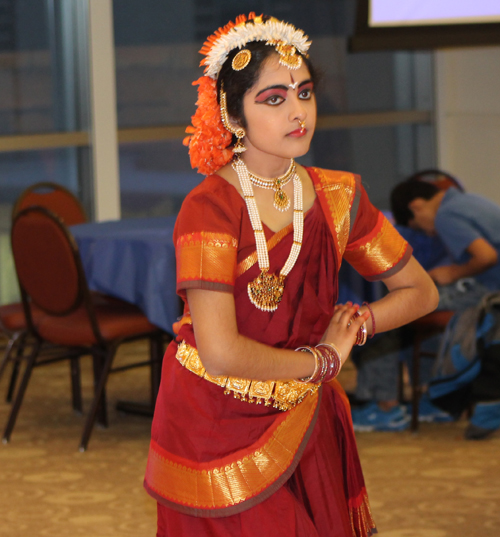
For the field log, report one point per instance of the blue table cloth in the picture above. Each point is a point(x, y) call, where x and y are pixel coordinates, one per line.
point(134, 260)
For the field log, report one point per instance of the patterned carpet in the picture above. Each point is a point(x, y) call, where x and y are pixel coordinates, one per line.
point(433, 484)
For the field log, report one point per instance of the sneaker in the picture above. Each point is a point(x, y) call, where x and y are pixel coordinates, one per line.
point(372, 418)
point(428, 413)
point(484, 422)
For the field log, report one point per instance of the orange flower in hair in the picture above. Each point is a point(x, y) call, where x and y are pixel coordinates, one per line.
point(209, 138)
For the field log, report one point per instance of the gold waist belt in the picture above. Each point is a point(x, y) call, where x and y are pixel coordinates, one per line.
point(282, 394)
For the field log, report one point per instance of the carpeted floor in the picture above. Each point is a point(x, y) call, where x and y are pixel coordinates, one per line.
point(433, 484)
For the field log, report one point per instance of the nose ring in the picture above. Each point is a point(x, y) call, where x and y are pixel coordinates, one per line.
point(302, 124)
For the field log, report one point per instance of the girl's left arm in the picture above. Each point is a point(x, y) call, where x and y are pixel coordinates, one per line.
point(411, 295)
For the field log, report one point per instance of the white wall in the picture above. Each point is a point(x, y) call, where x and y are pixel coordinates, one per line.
point(468, 117)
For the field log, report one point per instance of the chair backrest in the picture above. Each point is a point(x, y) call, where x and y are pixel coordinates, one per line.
point(443, 180)
point(54, 197)
point(47, 261)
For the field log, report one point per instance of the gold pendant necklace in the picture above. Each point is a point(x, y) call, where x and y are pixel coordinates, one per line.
point(281, 200)
point(266, 291)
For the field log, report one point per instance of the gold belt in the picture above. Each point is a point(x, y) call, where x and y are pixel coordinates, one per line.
point(282, 394)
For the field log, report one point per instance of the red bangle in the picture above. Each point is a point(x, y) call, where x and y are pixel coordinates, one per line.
point(333, 358)
point(373, 318)
point(328, 362)
point(362, 333)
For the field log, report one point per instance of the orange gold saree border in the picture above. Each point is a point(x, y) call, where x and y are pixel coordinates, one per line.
point(336, 192)
point(237, 482)
point(206, 256)
point(380, 253)
point(362, 523)
point(250, 261)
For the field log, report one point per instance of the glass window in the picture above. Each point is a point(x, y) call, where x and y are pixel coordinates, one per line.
point(155, 178)
point(39, 67)
point(43, 90)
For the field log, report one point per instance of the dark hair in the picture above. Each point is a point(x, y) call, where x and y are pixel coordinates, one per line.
point(404, 193)
point(237, 83)
point(440, 178)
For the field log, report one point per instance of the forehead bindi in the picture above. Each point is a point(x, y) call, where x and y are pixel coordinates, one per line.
point(275, 74)
point(293, 84)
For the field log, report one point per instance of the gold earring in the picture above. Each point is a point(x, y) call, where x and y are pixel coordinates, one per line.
point(238, 132)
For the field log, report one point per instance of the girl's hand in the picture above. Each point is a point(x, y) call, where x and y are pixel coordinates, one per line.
point(338, 331)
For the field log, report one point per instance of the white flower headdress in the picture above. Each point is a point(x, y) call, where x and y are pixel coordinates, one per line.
point(238, 34)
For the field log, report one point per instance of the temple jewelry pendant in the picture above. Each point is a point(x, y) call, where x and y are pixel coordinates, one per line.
point(266, 291)
point(281, 199)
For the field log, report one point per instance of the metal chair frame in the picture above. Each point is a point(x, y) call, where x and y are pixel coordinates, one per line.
point(102, 352)
point(34, 196)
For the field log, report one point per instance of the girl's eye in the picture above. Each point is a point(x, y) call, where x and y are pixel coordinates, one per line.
point(305, 93)
point(274, 100)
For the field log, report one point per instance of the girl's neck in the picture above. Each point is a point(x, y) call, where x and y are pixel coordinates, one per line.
point(268, 166)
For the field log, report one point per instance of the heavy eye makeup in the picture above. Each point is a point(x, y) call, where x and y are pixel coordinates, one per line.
point(275, 95)
point(306, 90)
point(272, 96)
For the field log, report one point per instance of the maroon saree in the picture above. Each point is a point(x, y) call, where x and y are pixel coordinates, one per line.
point(220, 463)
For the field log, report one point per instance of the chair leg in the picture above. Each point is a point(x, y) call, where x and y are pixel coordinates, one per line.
point(102, 412)
point(17, 340)
point(98, 396)
point(21, 345)
point(20, 393)
point(415, 383)
point(7, 353)
point(76, 385)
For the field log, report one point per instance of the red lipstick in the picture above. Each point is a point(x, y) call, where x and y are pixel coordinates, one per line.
point(298, 133)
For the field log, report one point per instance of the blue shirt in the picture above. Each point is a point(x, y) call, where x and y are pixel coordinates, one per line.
point(460, 220)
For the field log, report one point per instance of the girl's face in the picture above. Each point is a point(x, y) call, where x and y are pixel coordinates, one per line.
point(280, 111)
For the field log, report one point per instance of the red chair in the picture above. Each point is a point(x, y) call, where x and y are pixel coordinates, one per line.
point(54, 197)
point(75, 321)
point(66, 205)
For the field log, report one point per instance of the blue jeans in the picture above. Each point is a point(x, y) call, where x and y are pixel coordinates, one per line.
point(377, 362)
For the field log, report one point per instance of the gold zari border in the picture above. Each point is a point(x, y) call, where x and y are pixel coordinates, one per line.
point(381, 253)
point(225, 484)
point(362, 523)
point(206, 256)
point(338, 189)
point(283, 395)
point(250, 260)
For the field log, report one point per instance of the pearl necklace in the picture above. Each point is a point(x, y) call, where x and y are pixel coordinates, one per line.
point(266, 291)
point(281, 199)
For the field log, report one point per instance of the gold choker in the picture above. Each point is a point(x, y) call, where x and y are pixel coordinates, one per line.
point(281, 199)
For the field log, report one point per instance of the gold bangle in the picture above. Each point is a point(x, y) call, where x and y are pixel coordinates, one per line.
point(316, 363)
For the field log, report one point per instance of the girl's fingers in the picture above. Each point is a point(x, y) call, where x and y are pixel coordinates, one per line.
point(347, 314)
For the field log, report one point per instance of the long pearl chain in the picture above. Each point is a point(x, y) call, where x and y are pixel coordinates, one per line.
point(266, 291)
